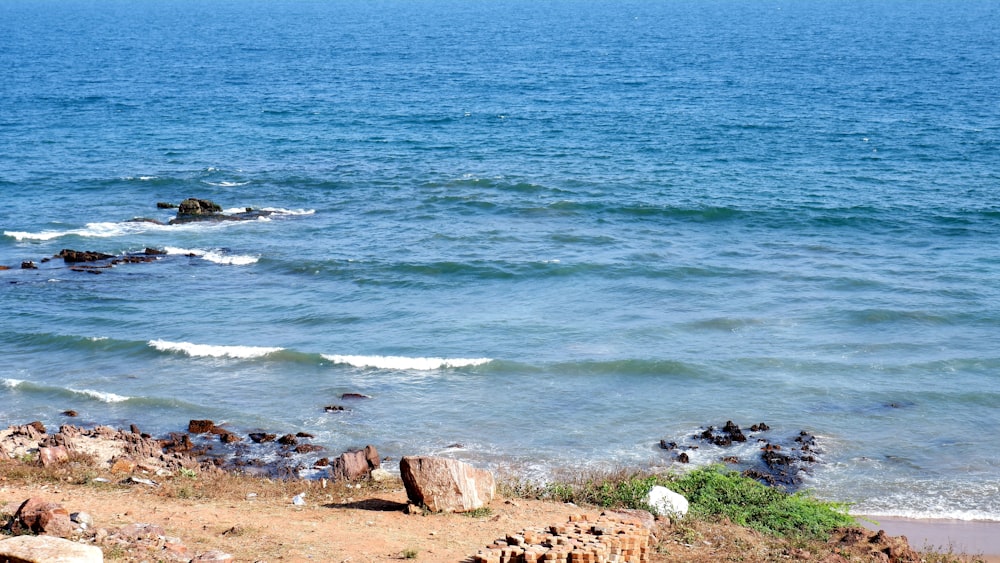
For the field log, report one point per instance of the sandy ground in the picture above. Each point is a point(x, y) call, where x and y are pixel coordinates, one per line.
point(327, 528)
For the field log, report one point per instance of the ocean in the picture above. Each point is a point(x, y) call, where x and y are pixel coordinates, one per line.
point(537, 235)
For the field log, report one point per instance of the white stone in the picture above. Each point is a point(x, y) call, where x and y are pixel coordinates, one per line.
point(666, 502)
point(48, 549)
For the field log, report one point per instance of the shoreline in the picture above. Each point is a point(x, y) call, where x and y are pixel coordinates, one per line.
point(974, 537)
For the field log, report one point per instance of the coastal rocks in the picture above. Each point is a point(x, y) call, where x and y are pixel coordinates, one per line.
point(47, 549)
point(666, 502)
point(759, 453)
point(446, 485)
point(73, 256)
point(195, 206)
point(858, 543)
point(194, 209)
point(355, 466)
point(606, 539)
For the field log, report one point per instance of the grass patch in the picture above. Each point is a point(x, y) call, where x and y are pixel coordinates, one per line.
point(713, 493)
point(481, 512)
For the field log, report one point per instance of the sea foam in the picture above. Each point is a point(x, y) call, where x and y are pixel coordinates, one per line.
point(403, 362)
point(216, 256)
point(207, 350)
point(102, 396)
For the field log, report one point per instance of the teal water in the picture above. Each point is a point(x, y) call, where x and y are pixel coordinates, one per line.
point(555, 232)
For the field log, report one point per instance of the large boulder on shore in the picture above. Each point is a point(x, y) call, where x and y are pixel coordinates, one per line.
point(47, 549)
point(446, 485)
point(354, 466)
point(38, 516)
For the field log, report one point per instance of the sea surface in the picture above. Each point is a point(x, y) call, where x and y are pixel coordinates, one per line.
point(538, 235)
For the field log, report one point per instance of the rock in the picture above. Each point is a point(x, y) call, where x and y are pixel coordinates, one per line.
point(194, 206)
point(379, 475)
point(123, 465)
point(165, 205)
point(153, 251)
point(354, 466)
point(42, 517)
point(76, 256)
point(70, 413)
point(214, 556)
point(446, 485)
point(47, 549)
point(82, 518)
point(261, 437)
point(355, 396)
point(53, 455)
point(200, 426)
point(37, 425)
point(666, 502)
point(229, 437)
point(308, 448)
point(28, 265)
point(334, 408)
point(288, 440)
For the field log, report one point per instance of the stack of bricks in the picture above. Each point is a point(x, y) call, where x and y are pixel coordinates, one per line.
point(585, 539)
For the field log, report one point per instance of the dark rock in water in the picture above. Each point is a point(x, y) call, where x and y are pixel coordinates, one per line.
point(229, 437)
point(304, 435)
point(194, 209)
point(781, 461)
point(2, 268)
point(288, 440)
point(145, 220)
point(153, 252)
point(69, 413)
point(683, 458)
point(355, 396)
point(134, 429)
point(28, 265)
point(322, 462)
point(200, 426)
point(261, 437)
point(195, 206)
point(178, 442)
point(37, 425)
point(334, 408)
point(165, 205)
point(308, 448)
point(73, 256)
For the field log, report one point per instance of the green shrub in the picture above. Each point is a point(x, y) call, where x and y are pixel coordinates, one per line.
point(715, 493)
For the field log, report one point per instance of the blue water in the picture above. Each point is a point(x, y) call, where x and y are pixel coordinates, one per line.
point(554, 232)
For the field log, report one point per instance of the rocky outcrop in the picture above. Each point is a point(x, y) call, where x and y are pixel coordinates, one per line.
point(446, 485)
point(355, 466)
point(194, 209)
point(778, 460)
point(46, 549)
point(74, 256)
point(859, 543)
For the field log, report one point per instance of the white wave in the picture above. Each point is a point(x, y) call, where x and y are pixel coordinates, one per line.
point(96, 230)
point(215, 256)
point(11, 383)
point(403, 362)
point(101, 395)
point(283, 211)
point(226, 184)
point(207, 350)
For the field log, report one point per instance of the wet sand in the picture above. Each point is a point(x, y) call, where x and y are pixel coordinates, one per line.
point(959, 536)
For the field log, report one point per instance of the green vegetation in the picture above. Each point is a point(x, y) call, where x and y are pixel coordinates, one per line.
point(409, 554)
point(481, 512)
point(713, 493)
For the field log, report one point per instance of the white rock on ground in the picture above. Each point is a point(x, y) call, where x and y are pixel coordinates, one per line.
point(666, 502)
point(48, 549)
